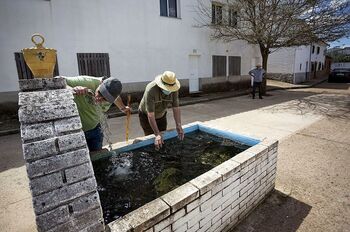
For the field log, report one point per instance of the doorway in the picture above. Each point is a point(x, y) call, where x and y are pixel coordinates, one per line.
point(193, 71)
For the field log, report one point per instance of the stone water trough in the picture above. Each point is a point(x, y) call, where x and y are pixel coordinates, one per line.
point(214, 201)
point(64, 188)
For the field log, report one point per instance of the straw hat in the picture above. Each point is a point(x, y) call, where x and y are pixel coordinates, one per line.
point(168, 81)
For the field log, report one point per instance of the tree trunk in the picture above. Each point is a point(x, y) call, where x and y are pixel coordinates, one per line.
point(265, 55)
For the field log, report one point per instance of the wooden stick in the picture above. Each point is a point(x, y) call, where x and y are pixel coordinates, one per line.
point(128, 114)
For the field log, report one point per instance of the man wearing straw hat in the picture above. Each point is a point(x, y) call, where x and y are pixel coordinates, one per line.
point(257, 75)
point(153, 107)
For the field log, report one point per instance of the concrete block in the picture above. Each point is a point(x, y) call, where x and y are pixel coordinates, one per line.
point(270, 143)
point(232, 188)
point(230, 180)
point(206, 181)
point(81, 223)
point(46, 183)
point(181, 228)
point(40, 149)
point(42, 84)
point(227, 169)
point(71, 141)
point(230, 201)
point(193, 228)
point(67, 125)
point(79, 172)
point(97, 227)
point(85, 203)
point(167, 229)
point(258, 149)
point(56, 163)
point(209, 202)
point(37, 131)
point(50, 200)
point(148, 215)
point(120, 225)
point(194, 204)
point(45, 97)
point(194, 218)
point(163, 224)
point(52, 218)
point(46, 112)
point(181, 196)
point(244, 158)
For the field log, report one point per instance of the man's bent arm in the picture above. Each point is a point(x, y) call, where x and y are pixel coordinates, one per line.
point(153, 123)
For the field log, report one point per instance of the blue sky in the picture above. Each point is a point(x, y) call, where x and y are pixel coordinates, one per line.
point(340, 42)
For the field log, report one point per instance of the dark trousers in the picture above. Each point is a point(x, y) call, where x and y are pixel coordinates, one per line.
point(147, 129)
point(257, 84)
point(94, 138)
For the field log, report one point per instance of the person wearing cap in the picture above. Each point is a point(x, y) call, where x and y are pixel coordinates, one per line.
point(257, 75)
point(158, 95)
point(93, 94)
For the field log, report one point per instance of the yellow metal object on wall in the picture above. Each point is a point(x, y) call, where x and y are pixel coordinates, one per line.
point(39, 59)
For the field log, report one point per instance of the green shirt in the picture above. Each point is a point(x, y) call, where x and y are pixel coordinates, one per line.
point(90, 113)
point(154, 100)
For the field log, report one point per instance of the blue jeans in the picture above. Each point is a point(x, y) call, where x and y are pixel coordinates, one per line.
point(94, 138)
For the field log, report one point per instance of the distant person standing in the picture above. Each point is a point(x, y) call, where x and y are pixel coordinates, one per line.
point(257, 75)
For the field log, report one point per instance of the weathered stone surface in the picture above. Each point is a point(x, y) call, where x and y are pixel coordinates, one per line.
point(85, 203)
point(271, 143)
point(67, 124)
point(53, 218)
point(244, 157)
point(206, 181)
point(78, 173)
point(227, 169)
point(50, 200)
point(45, 112)
point(258, 150)
point(42, 84)
point(46, 183)
point(81, 223)
point(37, 131)
point(45, 97)
point(148, 215)
point(40, 149)
point(181, 196)
point(56, 163)
point(71, 141)
point(98, 227)
point(120, 225)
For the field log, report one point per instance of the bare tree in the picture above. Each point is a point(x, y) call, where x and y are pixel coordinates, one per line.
point(272, 24)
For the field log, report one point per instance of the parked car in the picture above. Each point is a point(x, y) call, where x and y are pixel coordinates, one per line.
point(339, 75)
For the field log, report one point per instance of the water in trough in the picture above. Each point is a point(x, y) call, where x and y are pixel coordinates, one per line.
point(131, 179)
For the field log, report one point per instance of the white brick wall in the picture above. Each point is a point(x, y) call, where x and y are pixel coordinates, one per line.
point(223, 200)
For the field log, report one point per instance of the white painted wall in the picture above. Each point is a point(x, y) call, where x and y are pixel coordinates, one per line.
point(281, 61)
point(140, 43)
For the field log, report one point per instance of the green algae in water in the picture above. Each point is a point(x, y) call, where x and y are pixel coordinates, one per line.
point(129, 180)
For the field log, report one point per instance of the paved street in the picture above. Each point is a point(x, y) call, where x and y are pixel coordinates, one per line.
point(313, 178)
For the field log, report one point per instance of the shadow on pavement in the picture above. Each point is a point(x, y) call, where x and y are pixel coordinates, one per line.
point(279, 212)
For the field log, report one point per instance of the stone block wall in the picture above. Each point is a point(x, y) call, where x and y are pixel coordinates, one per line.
point(214, 201)
point(61, 177)
point(285, 77)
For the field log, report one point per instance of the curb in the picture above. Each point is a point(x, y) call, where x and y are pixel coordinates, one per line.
point(191, 102)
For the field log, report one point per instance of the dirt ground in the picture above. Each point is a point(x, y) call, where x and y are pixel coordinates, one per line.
point(313, 178)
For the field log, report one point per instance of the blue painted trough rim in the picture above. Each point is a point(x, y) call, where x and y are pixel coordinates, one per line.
point(187, 129)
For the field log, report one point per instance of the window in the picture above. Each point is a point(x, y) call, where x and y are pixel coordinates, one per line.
point(219, 66)
point(234, 65)
point(318, 50)
point(169, 8)
point(94, 64)
point(300, 66)
point(232, 18)
point(313, 49)
point(216, 14)
point(319, 66)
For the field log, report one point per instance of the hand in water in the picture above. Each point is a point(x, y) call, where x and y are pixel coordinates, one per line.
point(180, 132)
point(158, 142)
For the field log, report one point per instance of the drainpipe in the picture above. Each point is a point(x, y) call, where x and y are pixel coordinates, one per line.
point(309, 68)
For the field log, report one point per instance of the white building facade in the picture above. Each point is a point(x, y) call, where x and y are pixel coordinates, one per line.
point(297, 64)
point(142, 38)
